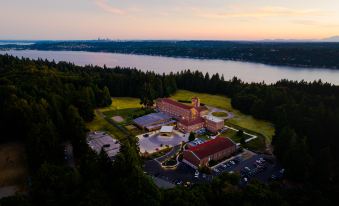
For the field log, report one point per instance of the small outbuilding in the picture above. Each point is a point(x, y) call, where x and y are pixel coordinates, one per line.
point(166, 130)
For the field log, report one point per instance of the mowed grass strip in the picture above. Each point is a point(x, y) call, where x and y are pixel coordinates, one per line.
point(245, 121)
point(13, 165)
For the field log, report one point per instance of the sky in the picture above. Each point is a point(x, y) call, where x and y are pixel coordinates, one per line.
point(168, 19)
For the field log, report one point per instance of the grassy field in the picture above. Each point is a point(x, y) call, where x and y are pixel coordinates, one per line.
point(13, 167)
point(122, 106)
point(245, 121)
point(122, 103)
point(101, 124)
point(125, 107)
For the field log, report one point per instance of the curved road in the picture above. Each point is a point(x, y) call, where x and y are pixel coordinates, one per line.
point(174, 150)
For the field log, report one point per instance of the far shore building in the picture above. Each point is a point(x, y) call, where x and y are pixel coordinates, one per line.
point(213, 124)
point(216, 149)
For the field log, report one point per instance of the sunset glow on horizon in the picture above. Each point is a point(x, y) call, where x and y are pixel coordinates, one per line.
point(169, 19)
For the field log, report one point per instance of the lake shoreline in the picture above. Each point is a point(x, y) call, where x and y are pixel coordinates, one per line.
point(246, 71)
point(297, 66)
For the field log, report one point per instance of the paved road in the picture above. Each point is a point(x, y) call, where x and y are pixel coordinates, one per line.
point(174, 150)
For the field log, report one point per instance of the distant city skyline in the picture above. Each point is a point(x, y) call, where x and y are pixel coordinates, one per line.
point(168, 19)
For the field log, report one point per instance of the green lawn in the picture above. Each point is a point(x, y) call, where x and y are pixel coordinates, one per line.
point(245, 121)
point(232, 135)
point(254, 145)
point(219, 114)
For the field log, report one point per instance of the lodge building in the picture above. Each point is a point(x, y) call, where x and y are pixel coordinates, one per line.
point(190, 117)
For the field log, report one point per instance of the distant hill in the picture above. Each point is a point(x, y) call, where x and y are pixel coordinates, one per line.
point(331, 39)
point(328, 39)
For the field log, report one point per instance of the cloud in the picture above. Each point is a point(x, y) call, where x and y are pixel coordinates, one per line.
point(106, 6)
point(263, 12)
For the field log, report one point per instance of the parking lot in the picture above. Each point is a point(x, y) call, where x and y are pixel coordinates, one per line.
point(261, 167)
point(179, 176)
point(247, 168)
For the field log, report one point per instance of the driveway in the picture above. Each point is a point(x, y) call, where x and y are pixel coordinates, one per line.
point(174, 150)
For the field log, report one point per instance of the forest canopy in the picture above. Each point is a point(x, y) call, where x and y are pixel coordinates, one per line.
point(45, 104)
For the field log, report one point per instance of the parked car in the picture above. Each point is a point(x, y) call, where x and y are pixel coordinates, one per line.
point(196, 174)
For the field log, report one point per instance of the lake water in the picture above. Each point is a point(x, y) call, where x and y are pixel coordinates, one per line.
point(249, 72)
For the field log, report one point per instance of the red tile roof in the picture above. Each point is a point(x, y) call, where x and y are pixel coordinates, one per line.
point(211, 147)
point(192, 122)
point(178, 104)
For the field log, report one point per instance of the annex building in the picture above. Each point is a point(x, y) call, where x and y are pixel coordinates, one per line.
point(153, 121)
point(216, 149)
